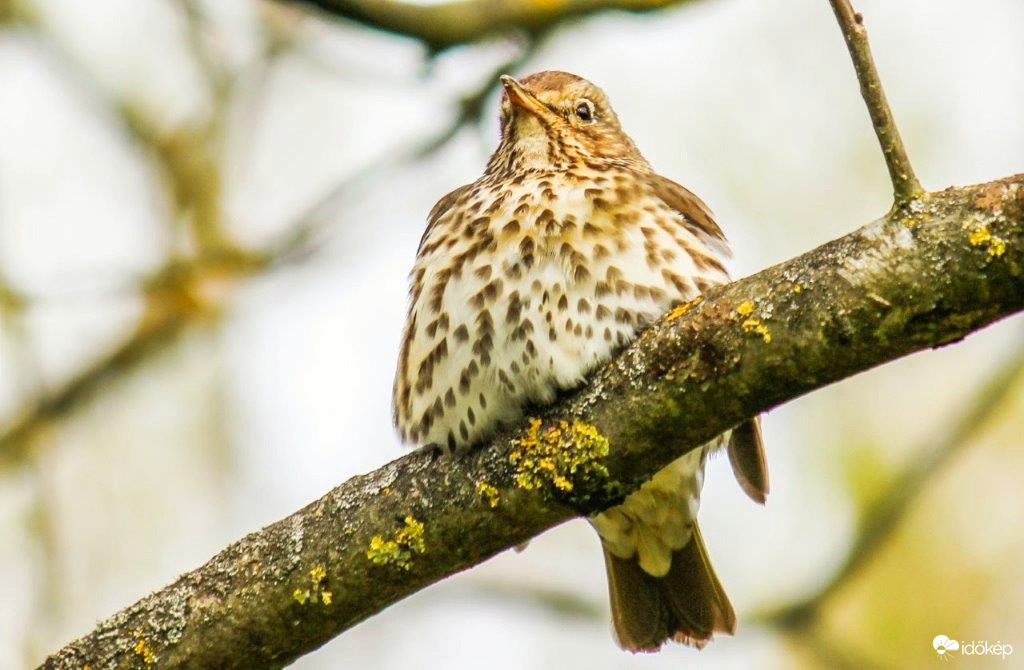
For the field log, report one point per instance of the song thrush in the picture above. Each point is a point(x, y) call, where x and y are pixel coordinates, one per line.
point(528, 278)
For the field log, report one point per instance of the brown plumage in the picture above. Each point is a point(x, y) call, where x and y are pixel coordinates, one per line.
point(525, 280)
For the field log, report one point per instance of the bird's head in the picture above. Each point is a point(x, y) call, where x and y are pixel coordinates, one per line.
point(555, 119)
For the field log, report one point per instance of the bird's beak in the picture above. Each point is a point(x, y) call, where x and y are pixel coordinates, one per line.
point(525, 100)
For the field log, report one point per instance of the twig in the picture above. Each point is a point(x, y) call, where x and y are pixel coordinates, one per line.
point(564, 602)
point(905, 185)
point(219, 79)
point(383, 536)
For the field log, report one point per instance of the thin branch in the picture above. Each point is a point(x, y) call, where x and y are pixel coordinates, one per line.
point(218, 77)
point(447, 24)
point(905, 185)
point(816, 319)
point(563, 602)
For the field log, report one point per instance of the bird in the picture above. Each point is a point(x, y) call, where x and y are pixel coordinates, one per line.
point(535, 274)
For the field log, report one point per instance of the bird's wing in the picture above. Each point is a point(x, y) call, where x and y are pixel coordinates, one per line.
point(747, 457)
point(684, 201)
point(438, 211)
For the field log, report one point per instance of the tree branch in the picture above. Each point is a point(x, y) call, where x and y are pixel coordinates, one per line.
point(907, 282)
point(443, 25)
point(904, 182)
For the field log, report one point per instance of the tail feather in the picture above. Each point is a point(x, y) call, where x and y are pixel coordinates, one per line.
point(749, 463)
point(687, 605)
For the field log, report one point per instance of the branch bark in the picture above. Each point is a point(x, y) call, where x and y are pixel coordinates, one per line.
point(447, 24)
point(923, 276)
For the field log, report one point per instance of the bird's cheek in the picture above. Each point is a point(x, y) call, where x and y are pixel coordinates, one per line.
point(532, 141)
point(528, 125)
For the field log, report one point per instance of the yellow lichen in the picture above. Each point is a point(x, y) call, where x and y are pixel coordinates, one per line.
point(488, 493)
point(144, 651)
point(756, 326)
point(982, 236)
point(558, 454)
point(681, 309)
point(753, 324)
point(315, 594)
point(399, 551)
point(797, 288)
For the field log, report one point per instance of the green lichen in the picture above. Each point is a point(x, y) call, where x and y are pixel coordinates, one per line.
point(407, 542)
point(488, 492)
point(559, 455)
point(316, 593)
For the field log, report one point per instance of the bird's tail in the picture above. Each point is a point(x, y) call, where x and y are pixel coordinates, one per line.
point(687, 605)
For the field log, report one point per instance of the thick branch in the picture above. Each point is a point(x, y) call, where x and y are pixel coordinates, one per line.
point(448, 24)
point(913, 280)
point(904, 182)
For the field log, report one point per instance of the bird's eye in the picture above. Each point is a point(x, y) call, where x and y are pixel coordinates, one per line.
point(585, 110)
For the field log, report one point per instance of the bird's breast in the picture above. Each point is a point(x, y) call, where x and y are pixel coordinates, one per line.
point(523, 289)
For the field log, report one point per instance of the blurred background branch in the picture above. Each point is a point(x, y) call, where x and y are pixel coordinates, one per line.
point(446, 24)
point(882, 517)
